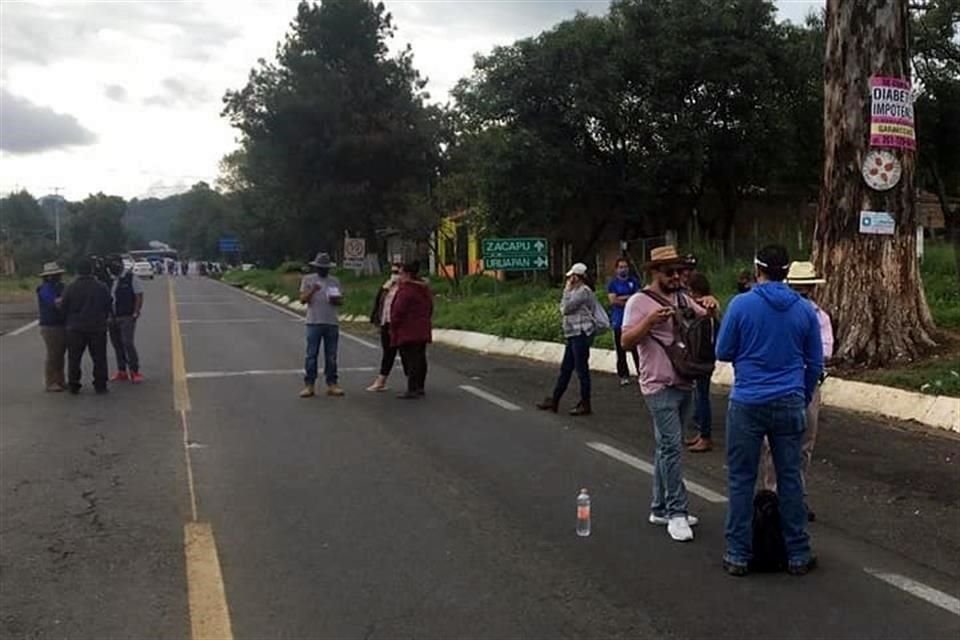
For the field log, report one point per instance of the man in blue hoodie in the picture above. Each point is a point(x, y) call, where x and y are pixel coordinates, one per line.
point(772, 337)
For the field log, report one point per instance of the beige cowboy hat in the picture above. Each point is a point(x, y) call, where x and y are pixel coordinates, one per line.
point(51, 269)
point(662, 256)
point(578, 269)
point(803, 273)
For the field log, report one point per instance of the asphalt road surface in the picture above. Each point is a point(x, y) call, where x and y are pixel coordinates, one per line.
point(212, 502)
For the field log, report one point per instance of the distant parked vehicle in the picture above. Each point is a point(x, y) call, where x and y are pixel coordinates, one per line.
point(143, 269)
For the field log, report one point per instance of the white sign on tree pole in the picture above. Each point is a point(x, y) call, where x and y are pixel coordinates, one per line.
point(354, 252)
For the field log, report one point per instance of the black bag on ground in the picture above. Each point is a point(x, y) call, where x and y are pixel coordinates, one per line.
point(693, 350)
point(769, 548)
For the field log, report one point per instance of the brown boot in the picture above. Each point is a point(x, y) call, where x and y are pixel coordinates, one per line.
point(702, 445)
point(308, 391)
point(692, 440)
point(582, 409)
point(335, 391)
point(547, 404)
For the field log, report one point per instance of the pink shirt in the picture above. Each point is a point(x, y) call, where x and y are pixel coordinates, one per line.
point(656, 371)
point(826, 331)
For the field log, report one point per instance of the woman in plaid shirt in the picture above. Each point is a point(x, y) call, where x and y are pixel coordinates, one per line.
point(579, 328)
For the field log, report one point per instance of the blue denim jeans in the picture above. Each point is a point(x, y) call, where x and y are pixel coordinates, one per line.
point(576, 357)
point(671, 409)
point(703, 416)
point(329, 334)
point(783, 422)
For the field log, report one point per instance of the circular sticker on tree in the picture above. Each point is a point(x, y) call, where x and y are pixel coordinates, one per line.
point(881, 170)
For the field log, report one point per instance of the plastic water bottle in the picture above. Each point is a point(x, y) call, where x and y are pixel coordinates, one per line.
point(583, 514)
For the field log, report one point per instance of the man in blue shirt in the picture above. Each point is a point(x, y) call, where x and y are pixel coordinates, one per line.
point(621, 287)
point(772, 337)
point(53, 323)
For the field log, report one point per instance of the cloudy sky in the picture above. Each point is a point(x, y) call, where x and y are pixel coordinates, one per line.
point(124, 96)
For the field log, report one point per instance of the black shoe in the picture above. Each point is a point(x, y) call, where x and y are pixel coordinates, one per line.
point(101, 391)
point(734, 569)
point(811, 516)
point(548, 404)
point(803, 569)
point(74, 389)
point(408, 395)
point(582, 409)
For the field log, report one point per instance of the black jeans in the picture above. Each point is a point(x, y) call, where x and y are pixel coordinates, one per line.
point(622, 370)
point(77, 343)
point(389, 353)
point(576, 357)
point(414, 359)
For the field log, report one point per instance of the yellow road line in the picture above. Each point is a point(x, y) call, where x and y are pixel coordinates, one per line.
point(181, 397)
point(209, 615)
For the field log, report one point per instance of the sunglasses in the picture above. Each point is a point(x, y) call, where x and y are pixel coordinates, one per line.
point(671, 271)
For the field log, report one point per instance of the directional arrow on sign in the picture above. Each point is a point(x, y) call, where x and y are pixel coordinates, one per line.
point(541, 261)
point(538, 245)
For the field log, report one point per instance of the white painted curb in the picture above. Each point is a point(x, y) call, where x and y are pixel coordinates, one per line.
point(941, 412)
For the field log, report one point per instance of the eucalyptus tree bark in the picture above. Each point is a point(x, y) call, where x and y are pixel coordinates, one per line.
point(874, 290)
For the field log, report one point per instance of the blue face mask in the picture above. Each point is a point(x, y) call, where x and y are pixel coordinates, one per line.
point(623, 272)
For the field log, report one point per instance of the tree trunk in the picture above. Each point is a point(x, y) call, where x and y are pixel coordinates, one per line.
point(874, 291)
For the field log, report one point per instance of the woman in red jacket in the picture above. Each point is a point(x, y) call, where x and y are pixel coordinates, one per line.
point(411, 328)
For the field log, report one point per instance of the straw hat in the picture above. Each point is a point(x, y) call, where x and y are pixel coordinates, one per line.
point(802, 273)
point(51, 269)
point(322, 261)
point(578, 269)
point(662, 256)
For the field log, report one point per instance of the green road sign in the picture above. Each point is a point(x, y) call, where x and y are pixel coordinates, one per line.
point(516, 254)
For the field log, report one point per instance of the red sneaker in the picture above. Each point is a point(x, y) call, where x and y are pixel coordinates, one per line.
point(136, 377)
point(119, 376)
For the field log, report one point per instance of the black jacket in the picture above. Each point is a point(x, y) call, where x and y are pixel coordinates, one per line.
point(86, 305)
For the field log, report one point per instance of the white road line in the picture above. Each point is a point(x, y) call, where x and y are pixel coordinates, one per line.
point(707, 494)
point(24, 328)
point(204, 303)
point(272, 305)
point(489, 397)
point(365, 343)
point(195, 375)
point(918, 589)
point(361, 341)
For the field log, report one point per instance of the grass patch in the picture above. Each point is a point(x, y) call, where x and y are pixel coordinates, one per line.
point(937, 375)
point(18, 289)
point(941, 283)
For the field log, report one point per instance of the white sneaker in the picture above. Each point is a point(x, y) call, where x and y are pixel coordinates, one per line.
point(662, 520)
point(624, 382)
point(679, 529)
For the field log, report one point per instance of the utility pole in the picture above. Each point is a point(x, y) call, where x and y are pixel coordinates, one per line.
point(56, 211)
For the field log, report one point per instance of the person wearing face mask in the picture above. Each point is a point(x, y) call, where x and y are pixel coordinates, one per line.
point(53, 324)
point(322, 294)
point(802, 278)
point(650, 323)
point(621, 287)
point(380, 318)
point(126, 294)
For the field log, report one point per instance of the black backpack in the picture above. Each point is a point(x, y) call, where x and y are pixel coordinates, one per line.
point(693, 350)
point(769, 549)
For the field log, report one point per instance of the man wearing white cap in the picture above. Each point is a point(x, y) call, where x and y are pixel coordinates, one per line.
point(802, 278)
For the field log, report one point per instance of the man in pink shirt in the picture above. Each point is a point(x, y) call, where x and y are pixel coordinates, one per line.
point(802, 278)
point(648, 324)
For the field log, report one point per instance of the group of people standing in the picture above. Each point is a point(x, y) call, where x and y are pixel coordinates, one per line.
point(403, 312)
point(78, 317)
point(777, 339)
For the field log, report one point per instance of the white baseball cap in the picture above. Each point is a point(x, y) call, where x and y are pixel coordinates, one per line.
point(579, 269)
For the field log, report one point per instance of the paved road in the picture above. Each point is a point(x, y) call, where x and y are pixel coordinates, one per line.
point(367, 517)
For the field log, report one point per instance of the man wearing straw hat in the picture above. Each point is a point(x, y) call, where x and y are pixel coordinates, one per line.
point(322, 294)
point(53, 324)
point(650, 324)
point(802, 278)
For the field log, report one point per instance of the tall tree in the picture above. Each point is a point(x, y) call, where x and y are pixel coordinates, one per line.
point(874, 290)
point(334, 132)
point(95, 226)
point(25, 231)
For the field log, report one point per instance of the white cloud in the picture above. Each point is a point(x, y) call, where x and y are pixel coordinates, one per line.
point(27, 128)
point(148, 77)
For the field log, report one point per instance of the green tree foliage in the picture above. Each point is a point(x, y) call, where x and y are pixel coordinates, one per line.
point(334, 132)
point(204, 217)
point(95, 226)
point(26, 232)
